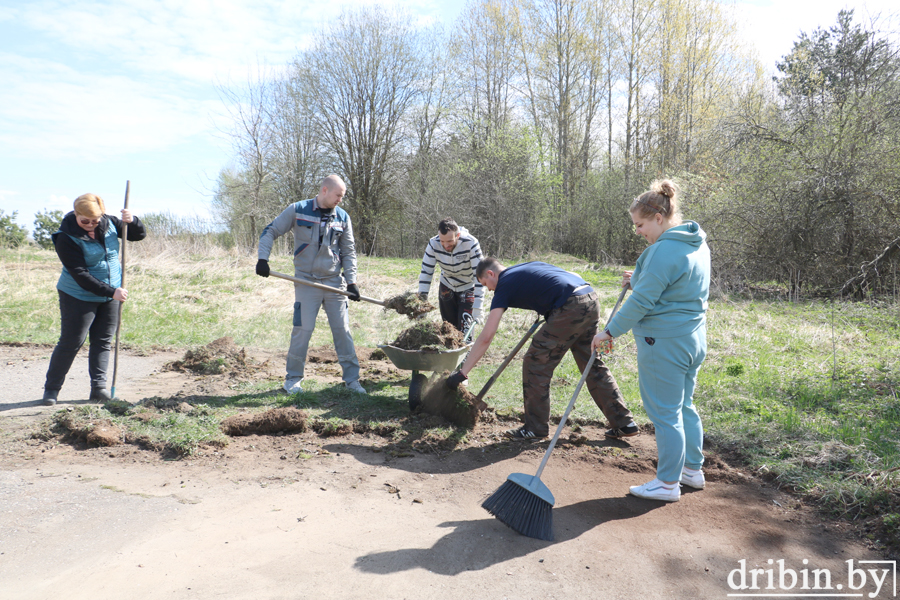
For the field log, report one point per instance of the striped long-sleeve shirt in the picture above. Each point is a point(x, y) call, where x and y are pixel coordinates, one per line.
point(457, 267)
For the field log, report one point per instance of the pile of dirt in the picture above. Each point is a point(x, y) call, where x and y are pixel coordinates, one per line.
point(277, 420)
point(459, 406)
point(430, 336)
point(218, 357)
point(78, 428)
point(409, 304)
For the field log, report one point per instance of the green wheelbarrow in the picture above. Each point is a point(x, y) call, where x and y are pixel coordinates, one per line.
point(418, 360)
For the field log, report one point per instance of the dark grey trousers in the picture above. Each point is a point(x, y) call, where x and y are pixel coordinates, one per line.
point(78, 319)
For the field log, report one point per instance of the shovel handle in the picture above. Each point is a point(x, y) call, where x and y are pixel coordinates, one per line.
point(119, 313)
point(508, 359)
point(326, 288)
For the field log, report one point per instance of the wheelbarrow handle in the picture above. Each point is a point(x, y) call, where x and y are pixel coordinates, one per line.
point(327, 288)
point(507, 360)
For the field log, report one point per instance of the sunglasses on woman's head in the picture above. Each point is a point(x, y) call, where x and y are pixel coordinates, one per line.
point(89, 221)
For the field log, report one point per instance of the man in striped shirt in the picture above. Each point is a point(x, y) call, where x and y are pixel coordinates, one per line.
point(458, 253)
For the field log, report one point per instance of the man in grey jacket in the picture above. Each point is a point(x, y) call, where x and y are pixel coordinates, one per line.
point(323, 246)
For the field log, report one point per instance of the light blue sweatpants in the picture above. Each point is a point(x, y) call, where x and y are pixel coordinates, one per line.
point(307, 301)
point(667, 375)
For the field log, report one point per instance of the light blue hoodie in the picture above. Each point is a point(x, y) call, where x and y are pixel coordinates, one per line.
point(670, 286)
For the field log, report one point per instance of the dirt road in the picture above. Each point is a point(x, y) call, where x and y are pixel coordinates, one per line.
point(300, 516)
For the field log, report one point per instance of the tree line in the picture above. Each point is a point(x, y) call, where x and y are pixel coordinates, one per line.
point(534, 123)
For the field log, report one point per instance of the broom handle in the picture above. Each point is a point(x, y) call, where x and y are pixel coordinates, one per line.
point(320, 286)
point(119, 316)
point(506, 361)
point(565, 417)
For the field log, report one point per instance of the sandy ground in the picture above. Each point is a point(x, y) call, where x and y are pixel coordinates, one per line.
point(302, 516)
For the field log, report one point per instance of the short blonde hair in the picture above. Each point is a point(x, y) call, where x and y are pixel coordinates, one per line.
point(90, 205)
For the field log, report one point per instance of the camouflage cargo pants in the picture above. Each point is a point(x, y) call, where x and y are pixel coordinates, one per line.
point(570, 327)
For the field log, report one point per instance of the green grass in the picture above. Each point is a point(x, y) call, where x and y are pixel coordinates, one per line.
point(804, 393)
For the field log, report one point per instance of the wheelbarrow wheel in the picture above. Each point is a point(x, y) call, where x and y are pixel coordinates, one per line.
point(416, 385)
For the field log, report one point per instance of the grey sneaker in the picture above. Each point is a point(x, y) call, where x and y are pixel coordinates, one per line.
point(292, 385)
point(696, 480)
point(50, 397)
point(355, 387)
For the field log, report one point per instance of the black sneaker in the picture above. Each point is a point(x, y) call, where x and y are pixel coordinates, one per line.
point(618, 433)
point(523, 433)
point(50, 397)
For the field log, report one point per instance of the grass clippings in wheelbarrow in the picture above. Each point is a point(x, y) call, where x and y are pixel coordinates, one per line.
point(408, 304)
point(459, 406)
point(429, 336)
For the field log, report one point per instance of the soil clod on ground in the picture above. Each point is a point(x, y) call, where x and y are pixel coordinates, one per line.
point(459, 406)
point(277, 420)
point(409, 304)
point(90, 431)
point(430, 336)
point(218, 357)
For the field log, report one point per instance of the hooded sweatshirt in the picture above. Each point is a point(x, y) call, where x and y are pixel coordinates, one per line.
point(670, 286)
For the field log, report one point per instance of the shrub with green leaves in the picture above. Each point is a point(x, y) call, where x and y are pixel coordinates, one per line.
point(12, 235)
point(46, 223)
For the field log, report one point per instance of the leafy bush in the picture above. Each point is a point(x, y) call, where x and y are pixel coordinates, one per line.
point(46, 224)
point(12, 235)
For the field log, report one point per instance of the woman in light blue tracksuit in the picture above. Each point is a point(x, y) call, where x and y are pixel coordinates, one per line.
point(667, 313)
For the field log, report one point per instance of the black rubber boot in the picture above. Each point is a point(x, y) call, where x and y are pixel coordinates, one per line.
point(50, 397)
point(100, 395)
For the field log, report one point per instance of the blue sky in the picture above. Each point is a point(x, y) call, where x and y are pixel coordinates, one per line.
point(95, 93)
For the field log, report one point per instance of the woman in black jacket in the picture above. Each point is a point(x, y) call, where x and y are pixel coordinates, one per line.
point(90, 291)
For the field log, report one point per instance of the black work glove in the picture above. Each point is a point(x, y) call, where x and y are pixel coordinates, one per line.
point(455, 379)
point(353, 289)
point(262, 267)
point(423, 296)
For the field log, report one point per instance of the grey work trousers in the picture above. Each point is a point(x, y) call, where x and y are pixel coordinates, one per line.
point(307, 301)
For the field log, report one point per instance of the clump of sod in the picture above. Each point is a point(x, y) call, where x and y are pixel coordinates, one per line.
point(218, 357)
point(276, 420)
point(459, 406)
point(409, 304)
point(429, 336)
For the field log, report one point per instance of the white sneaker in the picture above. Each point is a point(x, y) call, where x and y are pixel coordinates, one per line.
point(695, 480)
point(656, 490)
point(292, 385)
point(355, 387)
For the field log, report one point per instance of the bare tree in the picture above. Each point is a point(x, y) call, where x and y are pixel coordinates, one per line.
point(363, 76)
point(244, 195)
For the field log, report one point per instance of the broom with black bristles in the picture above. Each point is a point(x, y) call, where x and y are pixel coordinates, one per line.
point(523, 502)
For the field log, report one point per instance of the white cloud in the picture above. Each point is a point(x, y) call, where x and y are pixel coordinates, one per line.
point(53, 111)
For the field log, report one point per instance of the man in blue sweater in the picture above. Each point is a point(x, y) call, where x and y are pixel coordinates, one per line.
point(572, 314)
